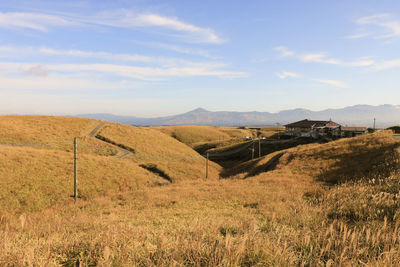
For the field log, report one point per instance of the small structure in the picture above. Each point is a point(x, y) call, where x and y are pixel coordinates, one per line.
point(352, 131)
point(395, 129)
point(314, 129)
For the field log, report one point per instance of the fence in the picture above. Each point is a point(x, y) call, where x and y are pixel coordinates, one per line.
point(82, 146)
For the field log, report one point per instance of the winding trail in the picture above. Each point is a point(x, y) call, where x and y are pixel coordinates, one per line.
point(95, 131)
point(123, 153)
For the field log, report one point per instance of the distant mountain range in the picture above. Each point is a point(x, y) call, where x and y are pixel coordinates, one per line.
point(386, 115)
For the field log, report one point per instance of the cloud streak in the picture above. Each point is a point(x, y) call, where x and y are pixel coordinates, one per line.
point(286, 74)
point(126, 71)
point(33, 21)
point(11, 52)
point(332, 82)
point(335, 83)
point(390, 26)
point(284, 52)
point(323, 58)
point(118, 18)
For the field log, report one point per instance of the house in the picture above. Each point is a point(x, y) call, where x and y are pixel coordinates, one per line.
point(352, 131)
point(314, 129)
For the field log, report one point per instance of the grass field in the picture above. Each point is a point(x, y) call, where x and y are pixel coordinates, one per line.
point(333, 204)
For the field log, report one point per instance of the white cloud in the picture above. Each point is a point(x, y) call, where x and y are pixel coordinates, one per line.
point(32, 21)
point(285, 74)
point(284, 51)
point(363, 62)
point(385, 21)
point(99, 55)
point(119, 18)
point(358, 35)
point(12, 52)
point(59, 82)
point(324, 59)
point(332, 82)
point(319, 58)
point(181, 49)
point(388, 64)
point(127, 71)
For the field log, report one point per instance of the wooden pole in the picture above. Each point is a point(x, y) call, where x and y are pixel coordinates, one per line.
point(252, 152)
point(207, 167)
point(75, 170)
point(259, 147)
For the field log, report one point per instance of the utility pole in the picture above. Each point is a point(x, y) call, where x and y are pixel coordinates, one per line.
point(75, 170)
point(279, 131)
point(374, 123)
point(207, 167)
point(259, 146)
point(252, 152)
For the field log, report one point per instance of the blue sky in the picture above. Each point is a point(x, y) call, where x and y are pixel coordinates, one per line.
point(154, 58)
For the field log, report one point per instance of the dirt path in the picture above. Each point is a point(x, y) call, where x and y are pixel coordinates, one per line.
point(123, 153)
point(94, 132)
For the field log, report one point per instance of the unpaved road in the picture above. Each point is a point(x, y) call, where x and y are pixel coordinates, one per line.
point(123, 152)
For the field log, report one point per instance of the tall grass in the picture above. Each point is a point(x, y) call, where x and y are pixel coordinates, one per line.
point(286, 217)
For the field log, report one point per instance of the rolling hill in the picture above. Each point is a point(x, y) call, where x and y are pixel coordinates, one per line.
point(36, 160)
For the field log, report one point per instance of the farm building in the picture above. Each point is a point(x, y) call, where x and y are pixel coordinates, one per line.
point(314, 129)
point(352, 131)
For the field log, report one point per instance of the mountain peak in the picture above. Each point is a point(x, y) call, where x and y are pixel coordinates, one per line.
point(198, 110)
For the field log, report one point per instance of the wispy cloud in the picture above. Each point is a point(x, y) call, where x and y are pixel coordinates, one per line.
point(385, 21)
point(127, 71)
point(358, 35)
point(286, 74)
point(335, 83)
point(323, 58)
point(319, 58)
point(332, 82)
point(33, 21)
point(117, 18)
point(284, 52)
point(15, 52)
point(180, 49)
point(388, 64)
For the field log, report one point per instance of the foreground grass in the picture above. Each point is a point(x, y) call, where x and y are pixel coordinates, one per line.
point(265, 221)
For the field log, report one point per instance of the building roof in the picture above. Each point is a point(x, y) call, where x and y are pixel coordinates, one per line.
point(312, 124)
point(353, 129)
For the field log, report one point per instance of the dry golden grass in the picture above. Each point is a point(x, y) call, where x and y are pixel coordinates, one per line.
point(334, 162)
point(52, 133)
point(195, 135)
point(266, 221)
point(30, 129)
point(35, 179)
point(285, 217)
point(174, 158)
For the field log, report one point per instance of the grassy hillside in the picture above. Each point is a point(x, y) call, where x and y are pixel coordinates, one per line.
point(333, 204)
point(29, 129)
point(36, 160)
point(52, 133)
point(203, 138)
point(331, 162)
point(153, 148)
point(35, 179)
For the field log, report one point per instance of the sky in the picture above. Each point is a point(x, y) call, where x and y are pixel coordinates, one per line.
point(151, 58)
